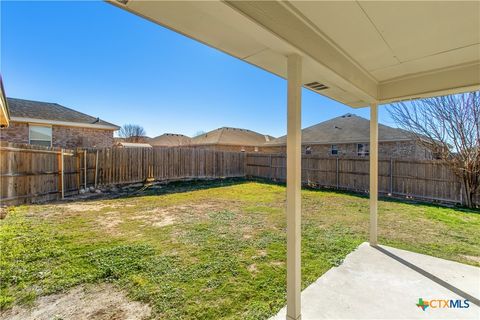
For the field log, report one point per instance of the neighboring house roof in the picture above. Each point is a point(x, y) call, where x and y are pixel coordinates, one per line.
point(53, 113)
point(348, 128)
point(170, 140)
point(139, 139)
point(231, 136)
point(4, 113)
point(132, 145)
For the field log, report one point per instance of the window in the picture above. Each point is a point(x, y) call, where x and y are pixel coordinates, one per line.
point(308, 150)
point(363, 149)
point(40, 135)
point(334, 150)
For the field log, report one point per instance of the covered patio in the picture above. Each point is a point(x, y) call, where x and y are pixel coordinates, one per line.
point(362, 54)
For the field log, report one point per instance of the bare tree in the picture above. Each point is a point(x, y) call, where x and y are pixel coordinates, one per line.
point(449, 127)
point(132, 133)
point(199, 133)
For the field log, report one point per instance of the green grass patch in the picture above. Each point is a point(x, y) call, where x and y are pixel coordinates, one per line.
point(208, 250)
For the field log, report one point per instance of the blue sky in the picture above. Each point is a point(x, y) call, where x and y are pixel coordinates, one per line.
point(101, 60)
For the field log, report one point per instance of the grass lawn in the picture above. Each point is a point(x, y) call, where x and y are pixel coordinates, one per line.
point(209, 250)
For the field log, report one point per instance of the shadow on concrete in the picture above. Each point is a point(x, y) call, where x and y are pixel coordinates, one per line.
point(430, 276)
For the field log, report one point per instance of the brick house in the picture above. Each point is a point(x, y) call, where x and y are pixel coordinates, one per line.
point(230, 139)
point(348, 136)
point(50, 124)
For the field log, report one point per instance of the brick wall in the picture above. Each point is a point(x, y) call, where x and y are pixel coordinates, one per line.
point(16, 132)
point(400, 149)
point(62, 137)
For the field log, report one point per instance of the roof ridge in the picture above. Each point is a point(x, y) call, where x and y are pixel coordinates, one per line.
point(357, 125)
point(51, 111)
point(38, 101)
point(60, 105)
point(222, 130)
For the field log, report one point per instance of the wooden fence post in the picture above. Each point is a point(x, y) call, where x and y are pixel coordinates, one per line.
point(461, 193)
point(78, 171)
point(338, 180)
point(85, 168)
point(61, 174)
point(271, 167)
point(215, 164)
point(96, 169)
point(391, 176)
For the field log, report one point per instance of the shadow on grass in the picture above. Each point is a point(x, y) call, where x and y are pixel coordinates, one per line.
point(162, 188)
point(171, 187)
point(383, 197)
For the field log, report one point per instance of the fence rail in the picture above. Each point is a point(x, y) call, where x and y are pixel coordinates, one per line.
point(428, 180)
point(29, 173)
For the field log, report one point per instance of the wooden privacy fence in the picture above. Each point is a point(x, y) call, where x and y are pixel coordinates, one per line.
point(31, 173)
point(28, 172)
point(428, 180)
point(131, 165)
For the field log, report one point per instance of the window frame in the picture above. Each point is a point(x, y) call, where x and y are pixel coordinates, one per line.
point(30, 125)
point(364, 145)
point(334, 149)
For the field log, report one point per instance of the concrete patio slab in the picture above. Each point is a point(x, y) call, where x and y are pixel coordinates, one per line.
point(387, 283)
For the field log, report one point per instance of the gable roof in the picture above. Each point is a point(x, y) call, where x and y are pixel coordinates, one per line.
point(348, 128)
point(53, 113)
point(170, 140)
point(231, 136)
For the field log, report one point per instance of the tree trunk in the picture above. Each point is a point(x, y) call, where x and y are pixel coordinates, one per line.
point(469, 191)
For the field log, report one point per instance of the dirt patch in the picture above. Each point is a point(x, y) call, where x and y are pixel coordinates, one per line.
point(85, 206)
point(161, 217)
point(110, 221)
point(472, 258)
point(156, 218)
point(166, 221)
point(100, 302)
point(260, 254)
point(252, 268)
point(3, 212)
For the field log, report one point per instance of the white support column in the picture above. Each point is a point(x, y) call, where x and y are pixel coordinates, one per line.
point(294, 179)
point(373, 173)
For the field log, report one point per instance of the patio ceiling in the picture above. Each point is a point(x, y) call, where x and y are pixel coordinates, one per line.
point(363, 52)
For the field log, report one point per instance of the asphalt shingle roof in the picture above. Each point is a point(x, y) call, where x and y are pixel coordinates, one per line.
point(170, 140)
point(50, 111)
point(231, 136)
point(348, 128)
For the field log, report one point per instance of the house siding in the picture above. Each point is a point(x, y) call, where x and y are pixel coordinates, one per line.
point(396, 149)
point(62, 137)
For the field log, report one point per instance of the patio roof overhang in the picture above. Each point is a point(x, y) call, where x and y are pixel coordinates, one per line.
point(4, 113)
point(359, 52)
